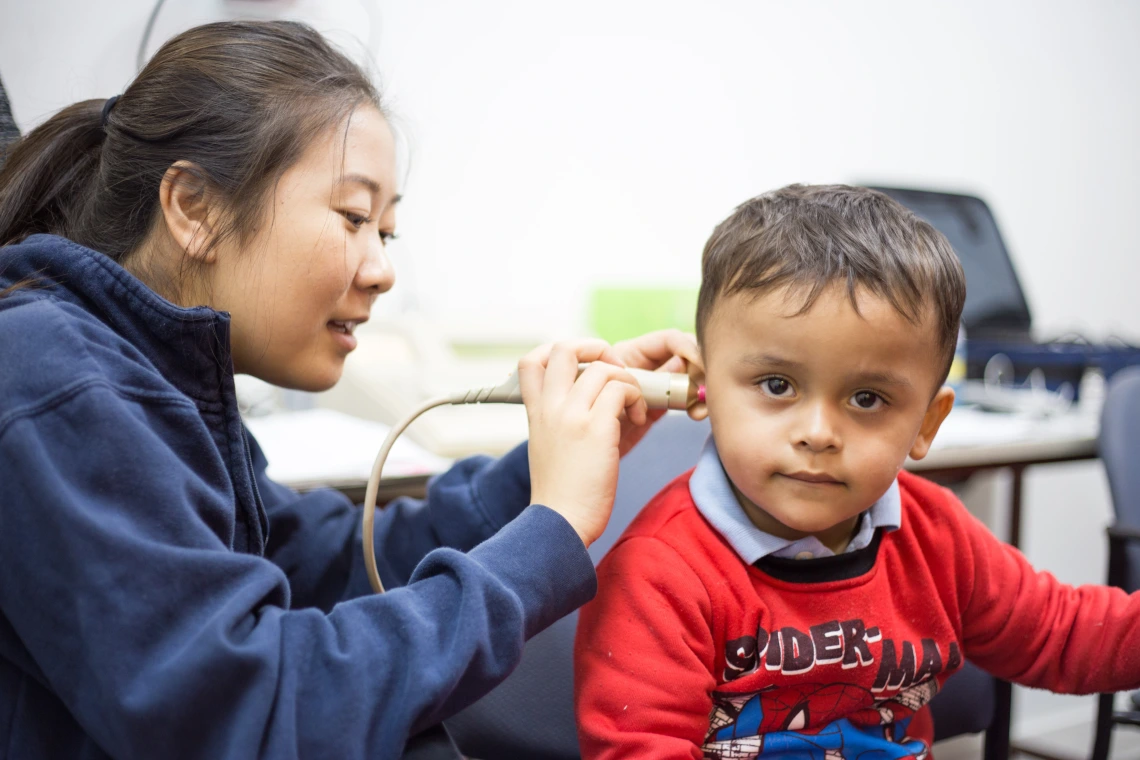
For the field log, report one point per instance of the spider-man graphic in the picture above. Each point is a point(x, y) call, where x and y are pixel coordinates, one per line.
point(772, 723)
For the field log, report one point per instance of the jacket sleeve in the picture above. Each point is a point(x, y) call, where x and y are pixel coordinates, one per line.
point(162, 642)
point(315, 537)
point(644, 657)
point(1027, 627)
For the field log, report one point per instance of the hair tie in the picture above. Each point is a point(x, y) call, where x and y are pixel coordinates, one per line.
point(111, 101)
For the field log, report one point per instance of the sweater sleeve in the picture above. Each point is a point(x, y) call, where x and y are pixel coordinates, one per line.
point(160, 641)
point(1027, 627)
point(643, 657)
point(315, 537)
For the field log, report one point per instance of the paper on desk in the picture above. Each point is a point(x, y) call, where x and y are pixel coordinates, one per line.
point(971, 427)
point(325, 447)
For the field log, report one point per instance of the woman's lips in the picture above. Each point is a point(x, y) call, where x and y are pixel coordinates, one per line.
point(342, 334)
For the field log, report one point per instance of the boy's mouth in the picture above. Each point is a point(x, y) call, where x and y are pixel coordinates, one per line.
point(815, 478)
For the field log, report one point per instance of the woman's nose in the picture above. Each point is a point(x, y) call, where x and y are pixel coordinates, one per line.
point(375, 273)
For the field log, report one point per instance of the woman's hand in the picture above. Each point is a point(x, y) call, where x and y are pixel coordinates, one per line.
point(664, 350)
point(576, 427)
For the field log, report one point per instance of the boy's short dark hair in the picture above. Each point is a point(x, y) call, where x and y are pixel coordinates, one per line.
point(811, 236)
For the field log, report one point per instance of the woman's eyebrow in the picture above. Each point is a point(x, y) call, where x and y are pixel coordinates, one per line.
point(372, 185)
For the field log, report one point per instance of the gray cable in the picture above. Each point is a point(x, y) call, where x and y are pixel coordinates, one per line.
point(374, 487)
point(140, 59)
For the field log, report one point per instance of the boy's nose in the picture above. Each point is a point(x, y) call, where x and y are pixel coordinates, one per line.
point(817, 431)
point(375, 273)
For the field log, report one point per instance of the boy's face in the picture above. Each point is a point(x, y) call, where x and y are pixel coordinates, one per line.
point(815, 414)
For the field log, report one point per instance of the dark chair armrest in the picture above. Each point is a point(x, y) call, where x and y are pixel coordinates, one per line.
point(1122, 532)
point(1119, 536)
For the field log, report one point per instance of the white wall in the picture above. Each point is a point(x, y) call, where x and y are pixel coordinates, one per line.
point(555, 146)
point(564, 144)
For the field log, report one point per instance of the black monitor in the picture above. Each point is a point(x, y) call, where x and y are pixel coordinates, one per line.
point(995, 304)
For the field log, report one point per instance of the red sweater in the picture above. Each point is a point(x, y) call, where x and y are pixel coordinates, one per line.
point(688, 653)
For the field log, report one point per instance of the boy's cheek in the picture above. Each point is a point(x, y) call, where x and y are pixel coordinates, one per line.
point(877, 465)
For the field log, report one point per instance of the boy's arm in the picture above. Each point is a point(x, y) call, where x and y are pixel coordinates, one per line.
point(644, 657)
point(1027, 627)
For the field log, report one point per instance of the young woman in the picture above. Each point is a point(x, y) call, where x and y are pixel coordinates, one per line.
point(160, 596)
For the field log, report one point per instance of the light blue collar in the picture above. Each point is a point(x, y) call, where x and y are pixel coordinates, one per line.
point(713, 495)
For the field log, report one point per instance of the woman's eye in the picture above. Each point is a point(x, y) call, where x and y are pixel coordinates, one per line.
point(776, 386)
point(867, 400)
point(356, 220)
point(388, 237)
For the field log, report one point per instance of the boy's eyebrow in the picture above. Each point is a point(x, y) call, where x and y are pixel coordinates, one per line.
point(880, 378)
point(769, 360)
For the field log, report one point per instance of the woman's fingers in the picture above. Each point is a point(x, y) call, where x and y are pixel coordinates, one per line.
point(532, 373)
point(564, 358)
point(673, 364)
point(653, 349)
point(587, 391)
point(617, 396)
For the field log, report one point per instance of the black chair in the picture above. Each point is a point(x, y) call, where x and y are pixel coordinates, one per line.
point(433, 744)
point(531, 714)
point(9, 132)
point(1119, 442)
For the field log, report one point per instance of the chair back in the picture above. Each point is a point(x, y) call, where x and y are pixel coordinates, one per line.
point(1120, 451)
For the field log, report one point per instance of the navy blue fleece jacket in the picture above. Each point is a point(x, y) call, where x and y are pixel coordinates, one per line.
point(160, 597)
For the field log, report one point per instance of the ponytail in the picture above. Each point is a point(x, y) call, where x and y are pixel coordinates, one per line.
point(49, 171)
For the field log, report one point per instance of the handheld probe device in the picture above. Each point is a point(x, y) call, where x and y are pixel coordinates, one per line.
point(661, 390)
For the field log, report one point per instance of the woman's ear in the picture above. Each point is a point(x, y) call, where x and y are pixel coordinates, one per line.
point(187, 209)
point(698, 410)
point(940, 406)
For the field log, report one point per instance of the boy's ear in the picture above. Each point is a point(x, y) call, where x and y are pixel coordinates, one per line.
point(187, 209)
point(699, 409)
point(940, 406)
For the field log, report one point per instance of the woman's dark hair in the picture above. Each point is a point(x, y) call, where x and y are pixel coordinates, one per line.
point(239, 100)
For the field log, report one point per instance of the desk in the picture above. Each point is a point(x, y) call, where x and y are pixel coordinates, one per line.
point(964, 447)
point(321, 448)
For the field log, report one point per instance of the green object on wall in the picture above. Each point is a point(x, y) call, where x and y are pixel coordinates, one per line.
point(620, 313)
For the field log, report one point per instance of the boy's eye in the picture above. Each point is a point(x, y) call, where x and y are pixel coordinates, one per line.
point(867, 400)
point(776, 386)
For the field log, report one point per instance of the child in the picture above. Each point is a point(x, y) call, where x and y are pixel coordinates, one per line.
point(798, 594)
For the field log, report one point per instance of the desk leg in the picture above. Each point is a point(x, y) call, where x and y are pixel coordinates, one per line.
point(998, 745)
point(1003, 708)
point(1017, 471)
